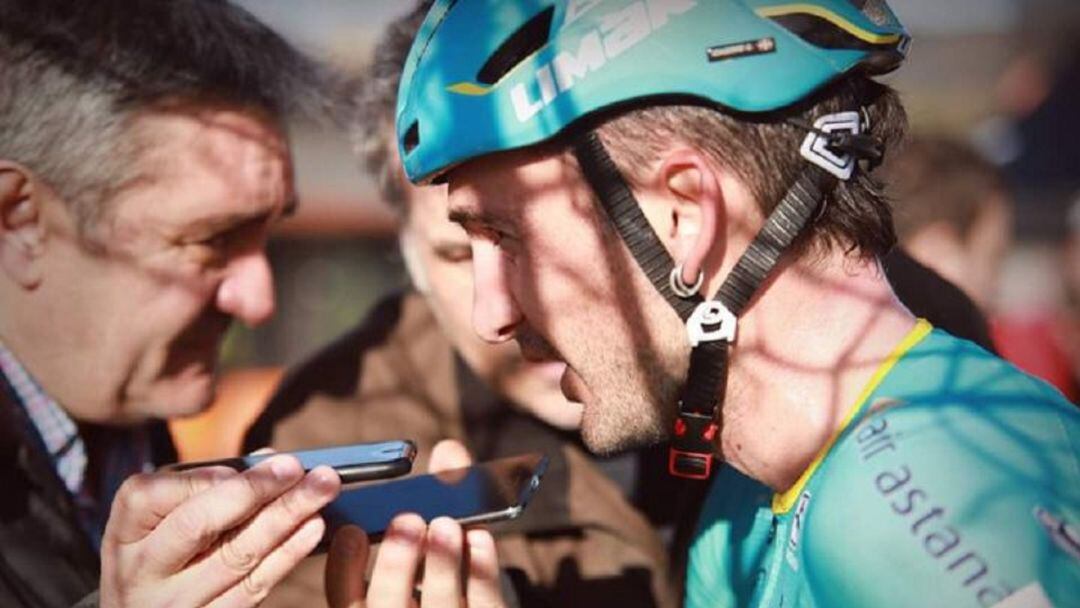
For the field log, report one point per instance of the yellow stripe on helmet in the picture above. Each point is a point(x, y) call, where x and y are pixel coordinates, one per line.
point(837, 20)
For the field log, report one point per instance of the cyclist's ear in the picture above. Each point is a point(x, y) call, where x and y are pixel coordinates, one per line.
point(693, 188)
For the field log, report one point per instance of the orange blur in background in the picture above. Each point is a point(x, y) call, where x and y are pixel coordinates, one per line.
point(219, 431)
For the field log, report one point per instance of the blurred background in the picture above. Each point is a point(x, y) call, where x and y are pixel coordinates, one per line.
point(1002, 75)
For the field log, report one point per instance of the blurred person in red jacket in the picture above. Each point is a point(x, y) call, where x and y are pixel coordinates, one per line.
point(1045, 341)
point(954, 214)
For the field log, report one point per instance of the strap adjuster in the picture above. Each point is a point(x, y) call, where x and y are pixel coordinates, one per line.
point(818, 146)
point(711, 321)
point(691, 452)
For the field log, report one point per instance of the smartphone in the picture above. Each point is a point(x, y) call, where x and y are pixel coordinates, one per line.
point(487, 492)
point(357, 462)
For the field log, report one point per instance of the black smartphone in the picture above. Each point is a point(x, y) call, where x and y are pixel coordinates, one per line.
point(356, 462)
point(487, 492)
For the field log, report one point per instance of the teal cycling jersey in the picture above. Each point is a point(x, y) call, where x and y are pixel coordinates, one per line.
point(955, 481)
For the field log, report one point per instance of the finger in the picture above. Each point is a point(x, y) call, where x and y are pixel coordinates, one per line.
point(263, 452)
point(448, 454)
point(482, 589)
point(396, 565)
point(144, 500)
point(244, 548)
point(201, 520)
point(253, 588)
point(346, 566)
point(443, 560)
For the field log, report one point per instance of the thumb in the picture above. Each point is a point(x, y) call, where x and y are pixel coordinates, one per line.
point(346, 566)
point(448, 454)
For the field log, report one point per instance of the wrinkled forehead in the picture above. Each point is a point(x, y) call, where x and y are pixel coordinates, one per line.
point(208, 161)
point(234, 139)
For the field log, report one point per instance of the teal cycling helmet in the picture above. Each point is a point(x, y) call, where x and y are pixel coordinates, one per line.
point(486, 76)
point(492, 75)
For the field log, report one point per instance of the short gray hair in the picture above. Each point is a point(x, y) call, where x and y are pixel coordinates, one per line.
point(73, 75)
point(372, 124)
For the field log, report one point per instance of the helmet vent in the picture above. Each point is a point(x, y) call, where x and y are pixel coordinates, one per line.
point(528, 39)
point(412, 137)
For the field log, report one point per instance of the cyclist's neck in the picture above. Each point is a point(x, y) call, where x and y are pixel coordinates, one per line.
point(805, 351)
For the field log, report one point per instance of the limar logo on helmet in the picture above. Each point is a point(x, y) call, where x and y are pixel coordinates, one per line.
point(618, 32)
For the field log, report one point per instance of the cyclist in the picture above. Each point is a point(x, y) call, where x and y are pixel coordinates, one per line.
point(674, 198)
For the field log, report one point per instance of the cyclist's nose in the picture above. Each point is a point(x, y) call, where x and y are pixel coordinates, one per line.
point(496, 315)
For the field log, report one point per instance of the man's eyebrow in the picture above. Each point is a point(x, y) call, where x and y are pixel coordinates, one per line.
point(471, 217)
point(463, 216)
point(236, 219)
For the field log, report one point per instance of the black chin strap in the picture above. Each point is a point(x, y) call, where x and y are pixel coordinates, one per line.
point(625, 213)
point(710, 324)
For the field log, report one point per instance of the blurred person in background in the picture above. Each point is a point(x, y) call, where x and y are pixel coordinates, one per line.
point(414, 369)
point(953, 218)
point(1044, 340)
point(953, 213)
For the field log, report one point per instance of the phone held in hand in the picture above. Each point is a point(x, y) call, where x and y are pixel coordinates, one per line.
point(483, 493)
point(353, 463)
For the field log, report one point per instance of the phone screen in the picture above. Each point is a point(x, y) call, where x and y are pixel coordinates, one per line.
point(489, 491)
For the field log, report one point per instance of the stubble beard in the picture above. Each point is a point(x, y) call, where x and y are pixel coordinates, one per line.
point(632, 405)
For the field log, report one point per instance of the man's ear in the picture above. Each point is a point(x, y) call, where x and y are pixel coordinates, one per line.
point(697, 210)
point(22, 231)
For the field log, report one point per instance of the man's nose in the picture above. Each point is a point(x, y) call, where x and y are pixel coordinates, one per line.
point(496, 315)
point(247, 291)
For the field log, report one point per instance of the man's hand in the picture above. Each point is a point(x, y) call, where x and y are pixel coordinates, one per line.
point(442, 550)
point(211, 536)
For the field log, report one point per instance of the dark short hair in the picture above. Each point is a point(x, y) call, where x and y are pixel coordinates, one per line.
point(763, 150)
point(74, 73)
point(938, 179)
point(372, 124)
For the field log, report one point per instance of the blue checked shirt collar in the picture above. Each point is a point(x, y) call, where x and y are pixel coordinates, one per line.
point(57, 430)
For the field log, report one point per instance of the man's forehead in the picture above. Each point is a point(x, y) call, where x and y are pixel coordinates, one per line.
point(215, 137)
point(497, 186)
point(229, 165)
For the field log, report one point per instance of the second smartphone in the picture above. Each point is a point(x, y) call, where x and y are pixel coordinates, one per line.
point(483, 493)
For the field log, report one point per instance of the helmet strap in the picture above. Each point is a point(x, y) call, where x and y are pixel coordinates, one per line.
point(711, 324)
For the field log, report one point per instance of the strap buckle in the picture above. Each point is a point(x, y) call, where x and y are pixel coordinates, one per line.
point(711, 321)
point(691, 452)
